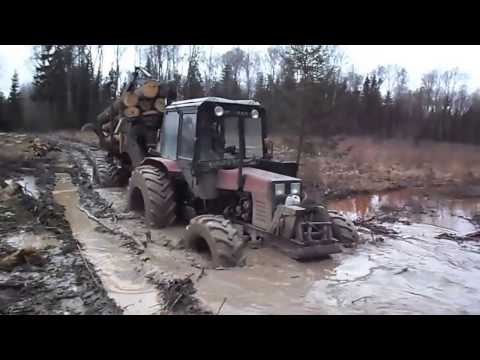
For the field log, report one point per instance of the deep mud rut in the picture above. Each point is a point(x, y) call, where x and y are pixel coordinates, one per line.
point(409, 271)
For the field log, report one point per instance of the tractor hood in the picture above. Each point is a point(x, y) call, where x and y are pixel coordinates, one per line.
point(256, 180)
point(261, 185)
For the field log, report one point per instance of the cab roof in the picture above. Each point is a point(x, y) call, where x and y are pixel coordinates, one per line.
point(200, 101)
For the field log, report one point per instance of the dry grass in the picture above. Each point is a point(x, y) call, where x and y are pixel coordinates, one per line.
point(365, 164)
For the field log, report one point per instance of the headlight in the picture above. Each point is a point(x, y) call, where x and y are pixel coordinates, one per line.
point(218, 110)
point(255, 114)
point(292, 200)
point(279, 189)
point(295, 188)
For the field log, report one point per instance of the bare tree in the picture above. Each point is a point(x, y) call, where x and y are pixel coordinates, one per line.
point(401, 82)
point(119, 51)
point(429, 86)
point(212, 63)
point(248, 66)
point(273, 57)
point(462, 101)
point(235, 58)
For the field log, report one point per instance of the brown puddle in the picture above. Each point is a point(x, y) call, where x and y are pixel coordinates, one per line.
point(430, 207)
point(123, 283)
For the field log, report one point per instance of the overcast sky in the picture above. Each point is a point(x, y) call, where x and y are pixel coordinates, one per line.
point(417, 59)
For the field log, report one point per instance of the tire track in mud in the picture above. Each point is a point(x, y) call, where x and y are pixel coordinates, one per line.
point(59, 281)
point(175, 295)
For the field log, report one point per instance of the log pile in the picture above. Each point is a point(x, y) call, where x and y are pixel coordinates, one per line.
point(148, 98)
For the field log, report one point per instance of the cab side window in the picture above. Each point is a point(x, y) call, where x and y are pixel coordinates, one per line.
point(187, 141)
point(169, 135)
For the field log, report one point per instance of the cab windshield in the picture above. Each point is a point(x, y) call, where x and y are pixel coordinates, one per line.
point(221, 138)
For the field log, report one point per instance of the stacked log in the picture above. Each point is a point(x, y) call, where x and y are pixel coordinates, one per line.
point(145, 104)
point(148, 90)
point(131, 112)
point(149, 97)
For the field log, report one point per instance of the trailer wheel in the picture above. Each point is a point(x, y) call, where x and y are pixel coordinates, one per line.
point(216, 237)
point(107, 173)
point(151, 191)
point(343, 228)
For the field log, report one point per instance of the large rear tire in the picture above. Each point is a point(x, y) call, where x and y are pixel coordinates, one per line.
point(107, 173)
point(218, 237)
point(343, 228)
point(151, 191)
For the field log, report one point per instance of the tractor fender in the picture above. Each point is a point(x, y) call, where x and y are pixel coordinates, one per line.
point(167, 165)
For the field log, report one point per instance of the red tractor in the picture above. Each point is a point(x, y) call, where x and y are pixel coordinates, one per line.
point(212, 167)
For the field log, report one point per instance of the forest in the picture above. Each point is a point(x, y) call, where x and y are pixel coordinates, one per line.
point(304, 88)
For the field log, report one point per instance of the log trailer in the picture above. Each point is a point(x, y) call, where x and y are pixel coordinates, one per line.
point(129, 128)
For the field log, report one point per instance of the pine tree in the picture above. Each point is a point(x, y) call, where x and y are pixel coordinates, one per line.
point(14, 109)
point(193, 87)
point(3, 125)
point(228, 85)
point(260, 87)
point(388, 99)
point(366, 88)
point(288, 74)
point(43, 57)
point(149, 66)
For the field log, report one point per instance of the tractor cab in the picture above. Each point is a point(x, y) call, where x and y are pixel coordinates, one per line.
point(214, 132)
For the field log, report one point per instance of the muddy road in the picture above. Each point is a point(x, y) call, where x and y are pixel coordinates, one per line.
point(409, 271)
point(42, 268)
point(400, 267)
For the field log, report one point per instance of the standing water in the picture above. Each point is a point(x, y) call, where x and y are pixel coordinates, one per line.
point(127, 287)
point(425, 207)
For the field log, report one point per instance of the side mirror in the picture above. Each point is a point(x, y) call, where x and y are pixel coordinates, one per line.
point(268, 149)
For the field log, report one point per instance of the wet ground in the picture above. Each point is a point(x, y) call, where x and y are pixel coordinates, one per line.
point(42, 270)
point(406, 270)
point(412, 272)
point(127, 287)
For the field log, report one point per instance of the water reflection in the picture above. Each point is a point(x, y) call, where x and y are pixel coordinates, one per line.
point(422, 206)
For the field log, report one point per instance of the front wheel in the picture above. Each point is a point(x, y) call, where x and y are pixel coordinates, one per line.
point(343, 228)
point(151, 192)
point(216, 237)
